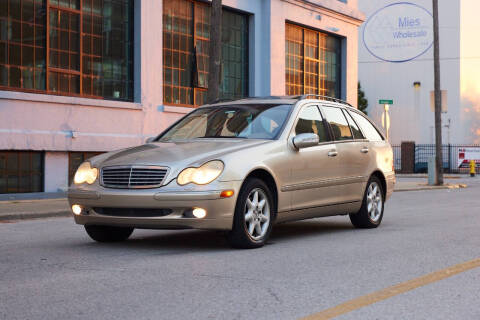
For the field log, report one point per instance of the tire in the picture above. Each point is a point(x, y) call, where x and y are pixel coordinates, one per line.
point(252, 221)
point(108, 233)
point(374, 199)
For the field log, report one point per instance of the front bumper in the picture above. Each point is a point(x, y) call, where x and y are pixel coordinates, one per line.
point(173, 197)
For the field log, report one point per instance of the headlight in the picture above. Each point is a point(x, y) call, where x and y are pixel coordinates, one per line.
point(85, 173)
point(201, 175)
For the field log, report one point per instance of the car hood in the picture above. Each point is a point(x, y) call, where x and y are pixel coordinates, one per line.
point(176, 154)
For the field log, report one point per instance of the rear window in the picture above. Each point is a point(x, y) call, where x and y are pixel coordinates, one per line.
point(368, 129)
point(357, 134)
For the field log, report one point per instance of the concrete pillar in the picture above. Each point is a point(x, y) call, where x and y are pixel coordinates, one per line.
point(408, 156)
point(56, 171)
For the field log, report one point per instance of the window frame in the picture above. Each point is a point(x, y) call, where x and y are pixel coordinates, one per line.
point(321, 62)
point(31, 172)
point(330, 127)
point(60, 71)
point(20, 43)
point(195, 88)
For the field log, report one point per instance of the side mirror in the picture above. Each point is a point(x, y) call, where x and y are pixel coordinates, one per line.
point(305, 140)
point(150, 139)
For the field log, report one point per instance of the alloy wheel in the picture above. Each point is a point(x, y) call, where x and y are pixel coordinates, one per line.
point(374, 201)
point(257, 214)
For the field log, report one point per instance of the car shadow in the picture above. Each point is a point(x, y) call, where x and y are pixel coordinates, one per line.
point(182, 241)
point(309, 228)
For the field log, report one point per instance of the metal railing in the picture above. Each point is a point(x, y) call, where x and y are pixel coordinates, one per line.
point(423, 152)
point(397, 157)
point(327, 98)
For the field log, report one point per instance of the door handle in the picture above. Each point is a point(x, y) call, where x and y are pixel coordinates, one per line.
point(364, 150)
point(332, 153)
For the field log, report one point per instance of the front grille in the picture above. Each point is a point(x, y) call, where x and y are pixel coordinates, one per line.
point(133, 212)
point(133, 177)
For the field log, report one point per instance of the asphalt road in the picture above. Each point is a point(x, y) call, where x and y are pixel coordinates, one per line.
point(50, 269)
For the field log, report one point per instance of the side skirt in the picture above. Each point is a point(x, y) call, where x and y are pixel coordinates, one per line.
point(316, 212)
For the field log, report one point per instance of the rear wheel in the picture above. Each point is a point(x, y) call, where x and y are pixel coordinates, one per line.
point(254, 215)
point(371, 213)
point(108, 233)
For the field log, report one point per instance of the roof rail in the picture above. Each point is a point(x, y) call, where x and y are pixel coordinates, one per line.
point(294, 97)
point(328, 98)
point(220, 100)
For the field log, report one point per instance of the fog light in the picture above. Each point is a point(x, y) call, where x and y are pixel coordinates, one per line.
point(76, 209)
point(199, 213)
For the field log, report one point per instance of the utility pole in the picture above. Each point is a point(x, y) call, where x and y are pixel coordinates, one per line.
point(438, 99)
point(215, 53)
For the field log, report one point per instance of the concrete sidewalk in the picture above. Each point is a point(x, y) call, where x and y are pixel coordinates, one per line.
point(418, 182)
point(33, 208)
point(43, 205)
point(418, 186)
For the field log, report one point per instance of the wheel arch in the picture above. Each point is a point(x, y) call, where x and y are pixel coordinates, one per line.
point(379, 174)
point(267, 177)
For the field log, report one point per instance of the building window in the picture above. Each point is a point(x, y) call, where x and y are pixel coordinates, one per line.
point(21, 171)
point(312, 62)
point(75, 159)
point(22, 44)
point(186, 38)
point(84, 49)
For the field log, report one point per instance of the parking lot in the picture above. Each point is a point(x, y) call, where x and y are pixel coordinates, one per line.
point(50, 269)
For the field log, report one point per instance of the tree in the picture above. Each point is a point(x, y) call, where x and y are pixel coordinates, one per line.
point(215, 53)
point(362, 102)
point(438, 98)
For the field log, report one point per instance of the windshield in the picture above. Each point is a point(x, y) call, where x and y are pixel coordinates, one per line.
point(248, 121)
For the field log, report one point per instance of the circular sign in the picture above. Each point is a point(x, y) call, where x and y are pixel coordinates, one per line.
point(399, 32)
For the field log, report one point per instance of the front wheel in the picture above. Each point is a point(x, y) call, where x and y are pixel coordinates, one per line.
point(371, 213)
point(108, 233)
point(254, 215)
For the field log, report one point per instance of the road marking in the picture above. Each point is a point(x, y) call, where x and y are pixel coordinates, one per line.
point(394, 290)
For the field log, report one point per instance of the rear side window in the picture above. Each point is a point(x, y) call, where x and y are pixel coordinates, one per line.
point(368, 129)
point(338, 123)
point(357, 133)
point(310, 121)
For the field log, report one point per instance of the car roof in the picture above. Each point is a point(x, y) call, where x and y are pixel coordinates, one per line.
point(281, 100)
point(255, 100)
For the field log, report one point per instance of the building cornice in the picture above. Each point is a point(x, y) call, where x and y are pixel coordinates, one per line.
point(57, 99)
point(333, 8)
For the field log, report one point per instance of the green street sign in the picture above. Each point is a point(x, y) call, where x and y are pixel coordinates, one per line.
point(384, 101)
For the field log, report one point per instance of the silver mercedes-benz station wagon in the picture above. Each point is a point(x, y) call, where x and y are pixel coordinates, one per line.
point(241, 166)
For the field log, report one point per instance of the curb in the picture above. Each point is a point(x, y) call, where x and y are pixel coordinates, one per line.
point(31, 200)
point(412, 176)
point(422, 188)
point(34, 215)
